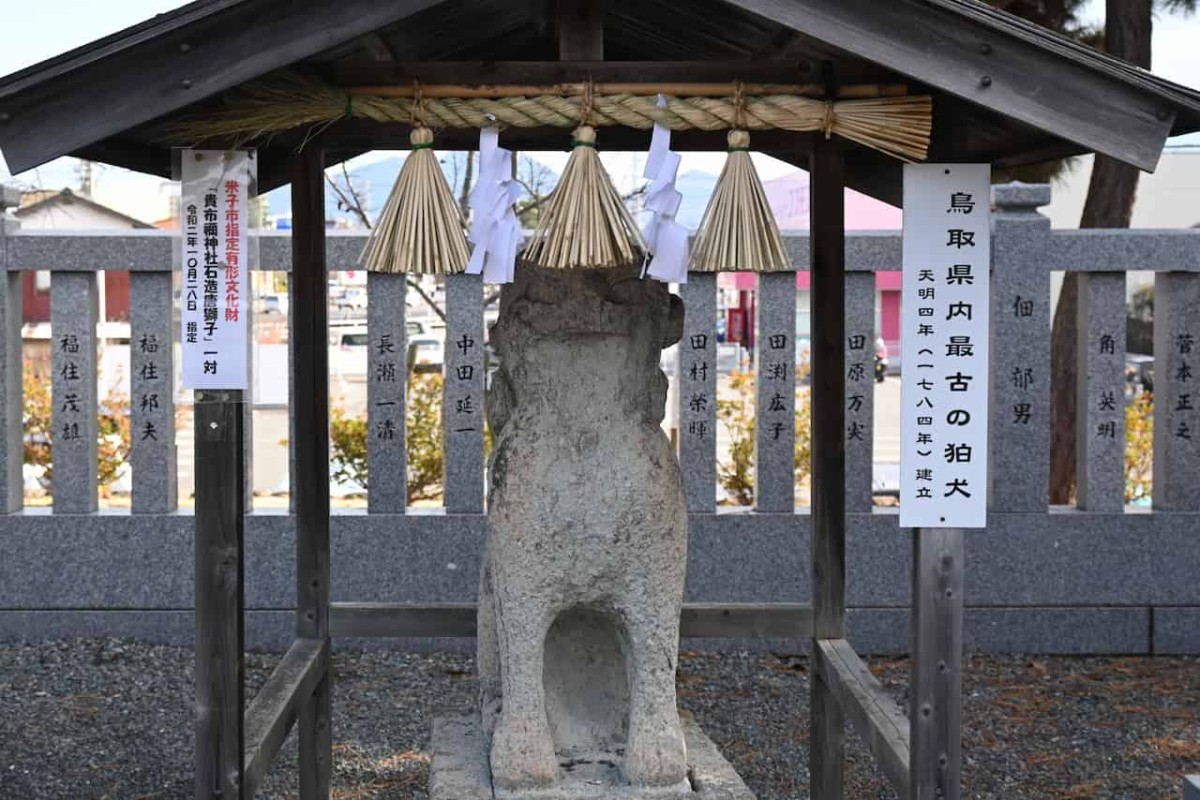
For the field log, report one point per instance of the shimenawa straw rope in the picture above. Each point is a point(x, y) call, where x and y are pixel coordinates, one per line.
point(898, 126)
point(585, 224)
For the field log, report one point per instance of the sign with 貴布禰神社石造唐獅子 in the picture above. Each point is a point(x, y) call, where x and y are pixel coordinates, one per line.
point(215, 267)
point(944, 346)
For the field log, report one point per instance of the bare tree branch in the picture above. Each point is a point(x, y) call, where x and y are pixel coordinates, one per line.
point(416, 287)
point(350, 199)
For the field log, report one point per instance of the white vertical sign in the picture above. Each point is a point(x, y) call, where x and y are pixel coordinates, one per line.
point(215, 292)
point(944, 344)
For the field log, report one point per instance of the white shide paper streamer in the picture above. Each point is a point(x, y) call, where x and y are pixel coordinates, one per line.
point(667, 239)
point(495, 231)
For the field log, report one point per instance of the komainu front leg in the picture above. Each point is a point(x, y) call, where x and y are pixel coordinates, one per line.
point(656, 754)
point(522, 748)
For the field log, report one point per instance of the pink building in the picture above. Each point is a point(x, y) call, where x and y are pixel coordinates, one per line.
point(788, 197)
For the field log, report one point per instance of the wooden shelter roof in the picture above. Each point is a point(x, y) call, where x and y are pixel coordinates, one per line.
point(1005, 91)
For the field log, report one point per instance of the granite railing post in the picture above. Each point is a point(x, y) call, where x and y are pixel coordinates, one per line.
point(12, 485)
point(1019, 428)
point(74, 301)
point(697, 380)
point(152, 402)
point(387, 375)
point(775, 421)
point(1100, 414)
point(462, 405)
point(860, 389)
point(1176, 391)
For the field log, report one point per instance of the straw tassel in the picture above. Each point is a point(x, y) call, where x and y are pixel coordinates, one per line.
point(421, 229)
point(585, 225)
point(738, 231)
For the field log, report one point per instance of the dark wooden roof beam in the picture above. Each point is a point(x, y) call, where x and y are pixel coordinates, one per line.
point(1014, 77)
point(176, 65)
point(547, 73)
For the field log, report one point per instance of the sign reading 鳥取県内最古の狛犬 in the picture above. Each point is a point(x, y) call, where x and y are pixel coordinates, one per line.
point(215, 264)
point(944, 346)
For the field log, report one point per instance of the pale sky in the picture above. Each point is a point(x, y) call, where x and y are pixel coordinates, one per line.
point(33, 32)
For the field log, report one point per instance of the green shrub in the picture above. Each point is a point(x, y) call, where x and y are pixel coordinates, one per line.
point(736, 411)
point(113, 432)
point(423, 441)
point(1139, 448)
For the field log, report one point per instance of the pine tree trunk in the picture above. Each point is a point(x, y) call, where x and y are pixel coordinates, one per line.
point(1127, 30)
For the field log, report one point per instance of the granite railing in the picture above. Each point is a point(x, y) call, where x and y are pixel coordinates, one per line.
point(1095, 577)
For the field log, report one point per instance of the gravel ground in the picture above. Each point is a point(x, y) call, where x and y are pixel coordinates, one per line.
point(104, 718)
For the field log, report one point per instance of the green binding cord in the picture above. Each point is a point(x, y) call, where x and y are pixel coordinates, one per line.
point(737, 150)
point(422, 146)
point(577, 143)
point(349, 107)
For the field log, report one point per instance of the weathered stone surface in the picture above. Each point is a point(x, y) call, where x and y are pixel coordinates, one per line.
point(860, 390)
point(73, 313)
point(459, 771)
point(462, 408)
point(775, 420)
point(587, 533)
point(1019, 429)
point(1100, 420)
point(12, 489)
point(1176, 391)
point(122, 572)
point(698, 392)
point(153, 455)
point(1176, 631)
point(387, 370)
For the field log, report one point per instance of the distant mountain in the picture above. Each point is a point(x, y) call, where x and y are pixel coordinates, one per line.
point(375, 179)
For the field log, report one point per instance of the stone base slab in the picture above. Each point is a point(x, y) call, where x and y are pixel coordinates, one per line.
point(460, 771)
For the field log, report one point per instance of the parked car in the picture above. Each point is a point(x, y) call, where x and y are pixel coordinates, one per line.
point(348, 349)
point(426, 353)
point(354, 299)
point(348, 354)
point(273, 304)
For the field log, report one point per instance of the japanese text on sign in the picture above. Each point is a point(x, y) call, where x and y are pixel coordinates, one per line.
point(215, 294)
point(944, 343)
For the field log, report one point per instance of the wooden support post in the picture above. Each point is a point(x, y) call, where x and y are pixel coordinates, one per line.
point(936, 694)
point(826, 209)
point(311, 367)
point(220, 530)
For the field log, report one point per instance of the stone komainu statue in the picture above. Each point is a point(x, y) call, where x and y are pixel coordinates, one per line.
point(586, 533)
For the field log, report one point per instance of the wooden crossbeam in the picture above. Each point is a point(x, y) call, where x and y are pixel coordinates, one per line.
point(274, 709)
point(457, 620)
point(637, 89)
point(875, 715)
